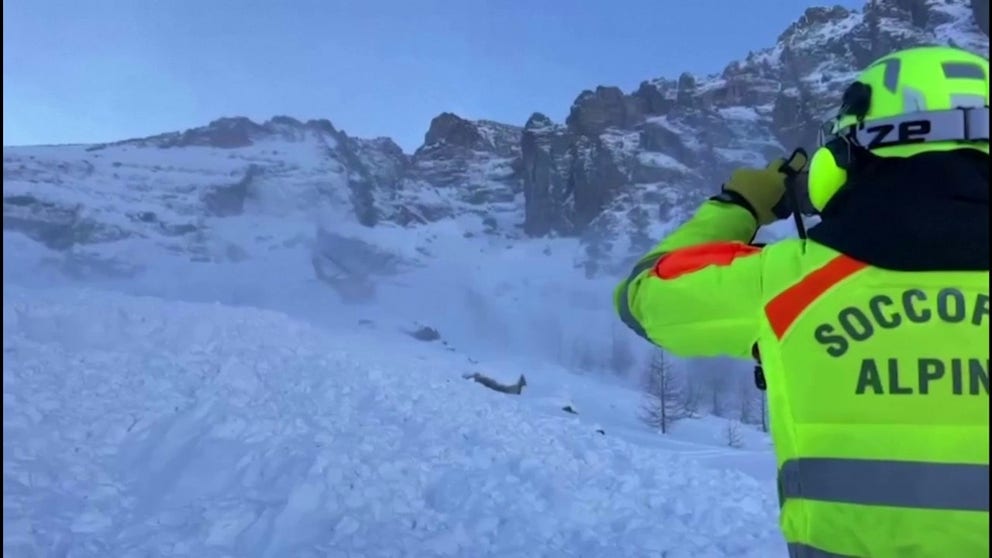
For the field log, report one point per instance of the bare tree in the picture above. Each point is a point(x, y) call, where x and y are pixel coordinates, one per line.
point(733, 434)
point(664, 400)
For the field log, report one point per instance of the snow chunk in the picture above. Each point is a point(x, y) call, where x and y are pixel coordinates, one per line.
point(740, 113)
point(661, 160)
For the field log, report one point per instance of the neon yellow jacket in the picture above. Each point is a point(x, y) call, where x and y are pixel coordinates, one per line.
point(877, 380)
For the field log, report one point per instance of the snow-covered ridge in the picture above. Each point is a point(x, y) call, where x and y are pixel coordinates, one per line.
point(232, 132)
point(197, 193)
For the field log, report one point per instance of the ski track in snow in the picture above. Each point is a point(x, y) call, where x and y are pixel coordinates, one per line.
point(145, 427)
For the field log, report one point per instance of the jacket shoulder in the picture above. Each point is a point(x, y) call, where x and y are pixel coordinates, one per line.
point(786, 262)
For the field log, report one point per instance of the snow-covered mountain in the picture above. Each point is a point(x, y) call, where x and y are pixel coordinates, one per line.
point(621, 165)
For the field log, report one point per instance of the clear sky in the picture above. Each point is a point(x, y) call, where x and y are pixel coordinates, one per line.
point(101, 70)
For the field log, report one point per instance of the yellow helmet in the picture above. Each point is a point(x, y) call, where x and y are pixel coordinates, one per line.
point(912, 101)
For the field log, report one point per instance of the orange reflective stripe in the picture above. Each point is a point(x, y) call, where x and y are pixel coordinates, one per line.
point(783, 310)
point(693, 258)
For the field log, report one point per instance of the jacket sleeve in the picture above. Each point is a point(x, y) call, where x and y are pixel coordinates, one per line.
point(698, 292)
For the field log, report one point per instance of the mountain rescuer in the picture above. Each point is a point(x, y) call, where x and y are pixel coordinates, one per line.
point(873, 332)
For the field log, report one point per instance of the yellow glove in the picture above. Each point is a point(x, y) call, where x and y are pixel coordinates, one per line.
point(763, 189)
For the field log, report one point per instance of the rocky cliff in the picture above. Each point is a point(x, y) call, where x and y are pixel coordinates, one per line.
point(621, 156)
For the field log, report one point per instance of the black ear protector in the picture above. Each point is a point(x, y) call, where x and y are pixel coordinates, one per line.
point(838, 154)
point(856, 102)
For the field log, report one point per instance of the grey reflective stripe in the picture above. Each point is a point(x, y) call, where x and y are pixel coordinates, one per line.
point(977, 123)
point(626, 316)
point(800, 550)
point(967, 101)
point(901, 484)
point(961, 124)
point(963, 70)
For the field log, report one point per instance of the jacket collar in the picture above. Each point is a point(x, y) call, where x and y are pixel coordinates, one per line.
point(929, 212)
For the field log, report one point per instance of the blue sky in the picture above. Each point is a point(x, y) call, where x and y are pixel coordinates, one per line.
point(99, 70)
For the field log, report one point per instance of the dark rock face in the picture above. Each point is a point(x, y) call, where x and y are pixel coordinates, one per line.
point(454, 149)
point(449, 129)
point(606, 107)
point(229, 199)
point(545, 146)
point(981, 10)
point(464, 166)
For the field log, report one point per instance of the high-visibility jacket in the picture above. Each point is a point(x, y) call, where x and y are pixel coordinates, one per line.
point(877, 379)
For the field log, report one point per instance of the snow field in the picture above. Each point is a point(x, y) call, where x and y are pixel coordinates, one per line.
point(141, 427)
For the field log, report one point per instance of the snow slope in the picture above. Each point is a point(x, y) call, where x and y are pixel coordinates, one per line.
point(143, 427)
point(156, 237)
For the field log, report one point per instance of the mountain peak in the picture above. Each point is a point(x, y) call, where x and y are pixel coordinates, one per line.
point(538, 121)
point(451, 129)
point(815, 16)
point(605, 107)
point(231, 132)
point(226, 132)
